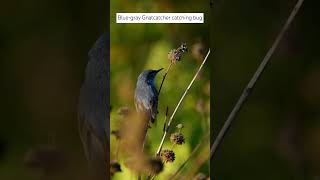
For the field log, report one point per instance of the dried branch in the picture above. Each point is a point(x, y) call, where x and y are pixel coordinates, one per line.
point(179, 103)
point(247, 91)
point(164, 77)
point(165, 119)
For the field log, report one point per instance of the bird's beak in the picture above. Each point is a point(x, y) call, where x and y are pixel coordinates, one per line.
point(158, 70)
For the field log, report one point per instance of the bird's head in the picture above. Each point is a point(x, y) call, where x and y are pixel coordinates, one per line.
point(148, 75)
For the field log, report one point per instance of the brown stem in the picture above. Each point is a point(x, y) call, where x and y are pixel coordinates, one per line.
point(164, 77)
point(247, 91)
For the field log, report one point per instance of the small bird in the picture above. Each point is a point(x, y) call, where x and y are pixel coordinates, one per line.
point(146, 94)
point(94, 109)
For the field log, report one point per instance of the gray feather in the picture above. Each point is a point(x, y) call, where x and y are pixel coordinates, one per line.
point(93, 110)
point(146, 94)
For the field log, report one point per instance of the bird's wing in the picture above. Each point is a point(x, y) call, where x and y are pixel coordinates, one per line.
point(93, 110)
point(143, 98)
point(154, 100)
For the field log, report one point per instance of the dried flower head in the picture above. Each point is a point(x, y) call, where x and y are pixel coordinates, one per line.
point(156, 166)
point(177, 138)
point(123, 111)
point(114, 167)
point(116, 133)
point(167, 155)
point(201, 176)
point(175, 54)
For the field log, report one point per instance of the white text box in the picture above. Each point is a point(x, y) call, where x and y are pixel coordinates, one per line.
point(159, 18)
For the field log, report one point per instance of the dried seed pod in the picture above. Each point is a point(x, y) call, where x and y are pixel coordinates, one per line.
point(167, 155)
point(177, 138)
point(114, 167)
point(175, 54)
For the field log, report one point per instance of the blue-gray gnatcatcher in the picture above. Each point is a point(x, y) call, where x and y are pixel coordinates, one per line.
point(93, 110)
point(146, 94)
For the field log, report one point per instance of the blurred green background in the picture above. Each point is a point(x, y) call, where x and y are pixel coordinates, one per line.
point(277, 133)
point(43, 53)
point(137, 47)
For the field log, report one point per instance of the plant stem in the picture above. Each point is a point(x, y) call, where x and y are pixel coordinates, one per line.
point(164, 77)
point(165, 120)
point(247, 91)
point(179, 103)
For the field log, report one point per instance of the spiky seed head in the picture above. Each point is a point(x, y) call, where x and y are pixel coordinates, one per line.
point(175, 54)
point(167, 155)
point(177, 138)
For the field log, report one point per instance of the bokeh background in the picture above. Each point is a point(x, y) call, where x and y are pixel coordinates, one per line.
point(277, 133)
point(43, 53)
point(137, 47)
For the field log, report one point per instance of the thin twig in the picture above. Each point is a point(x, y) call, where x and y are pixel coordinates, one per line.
point(165, 123)
point(165, 120)
point(179, 103)
point(190, 156)
point(164, 77)
point(247, 91)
